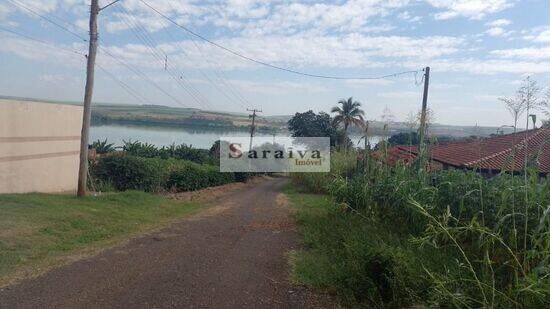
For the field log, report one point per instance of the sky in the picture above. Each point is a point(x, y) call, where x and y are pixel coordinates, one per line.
point(478, 51)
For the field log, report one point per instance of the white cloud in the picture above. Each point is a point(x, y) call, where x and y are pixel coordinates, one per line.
point(497, 31)
point(473, 9)
point(407, 16)
point(4, 11)
point(496, 28)
point(499, 23)
point(486, 67)
point(369, 82)
point(123, 21)
point(528, 53)
point(276, 88)
point(543, 37)
point(400, 95)
point(35, 51)
point(255, 17)
point(40, 6)
point(297, 51)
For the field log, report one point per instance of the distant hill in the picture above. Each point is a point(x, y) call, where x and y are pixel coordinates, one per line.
point(159, 115)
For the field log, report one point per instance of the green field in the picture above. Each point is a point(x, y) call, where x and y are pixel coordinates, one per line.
point(156, 115)
point(38, 230)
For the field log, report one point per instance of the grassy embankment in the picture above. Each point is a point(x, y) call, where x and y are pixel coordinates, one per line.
point(38, 230)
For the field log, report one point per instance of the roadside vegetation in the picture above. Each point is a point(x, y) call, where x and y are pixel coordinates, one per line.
point(144, 167)
point(406, 236)
point(398, 237)
point(38, 230)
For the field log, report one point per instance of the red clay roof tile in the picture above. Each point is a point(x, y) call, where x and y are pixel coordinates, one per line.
point(505, 152)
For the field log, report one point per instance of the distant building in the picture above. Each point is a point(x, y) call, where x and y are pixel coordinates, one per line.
point(488, 155)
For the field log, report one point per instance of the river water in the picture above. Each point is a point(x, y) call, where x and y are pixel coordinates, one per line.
point(164, 136)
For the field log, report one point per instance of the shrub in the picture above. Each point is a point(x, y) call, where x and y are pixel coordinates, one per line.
point(102, 147)
point(140, 149)
point(130, 173)
point(182, 152)
point(191, 176)
point(242, 176)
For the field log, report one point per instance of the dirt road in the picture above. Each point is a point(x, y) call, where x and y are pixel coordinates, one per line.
point(232, 255)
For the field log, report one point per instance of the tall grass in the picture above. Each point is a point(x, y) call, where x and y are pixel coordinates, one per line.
point(342, 164)
point(497, 240)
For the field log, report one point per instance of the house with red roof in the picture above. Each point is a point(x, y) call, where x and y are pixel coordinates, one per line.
point(488, 155)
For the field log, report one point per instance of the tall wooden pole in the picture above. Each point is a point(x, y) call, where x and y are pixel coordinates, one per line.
point(86, 117)
point(253, 126)
point(422, 132)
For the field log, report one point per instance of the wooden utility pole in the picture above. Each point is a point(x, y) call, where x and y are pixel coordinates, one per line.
point(86, 117)
point(253, 126)
point(367, 148)
point(422, 132)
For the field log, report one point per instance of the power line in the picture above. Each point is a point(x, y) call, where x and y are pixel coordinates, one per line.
point(149, 43)
point(18, 4)
point(240, 99)
point(42, 41)
point(123, 85)
point(269, 64)
point(140, 73)
point(84, 39)
point(210, 80)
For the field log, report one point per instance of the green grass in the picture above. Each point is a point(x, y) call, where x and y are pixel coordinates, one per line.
point(363, 263)
point(37, 229)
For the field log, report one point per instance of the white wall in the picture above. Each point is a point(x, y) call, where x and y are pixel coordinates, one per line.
point(39, 146)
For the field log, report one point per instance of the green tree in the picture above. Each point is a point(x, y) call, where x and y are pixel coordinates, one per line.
point(310, 124)
point(404, 138)
point(348, 114)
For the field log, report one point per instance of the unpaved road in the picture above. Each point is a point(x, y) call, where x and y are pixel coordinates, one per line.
point(232, 255)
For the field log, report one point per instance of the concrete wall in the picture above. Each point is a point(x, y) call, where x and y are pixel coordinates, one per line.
point(39, 146)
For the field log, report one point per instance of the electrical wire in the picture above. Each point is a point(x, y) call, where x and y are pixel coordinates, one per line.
point(66, 29)
point(42, 41)
point(231, 99)
point(20, 5)
point(240, 99)
point(123, 85)
point(266, 63)
point(182, 80)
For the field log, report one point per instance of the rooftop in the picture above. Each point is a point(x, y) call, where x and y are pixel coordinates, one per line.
point(504, 152)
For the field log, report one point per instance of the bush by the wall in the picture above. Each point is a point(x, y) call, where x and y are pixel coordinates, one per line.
point(130, 173)
point(190, 176)
point(182, 152)
point(124, 172)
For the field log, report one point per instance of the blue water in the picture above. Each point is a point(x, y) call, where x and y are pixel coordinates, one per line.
point(163, 136)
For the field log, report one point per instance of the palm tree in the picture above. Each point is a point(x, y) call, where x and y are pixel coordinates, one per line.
point(348, 114)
